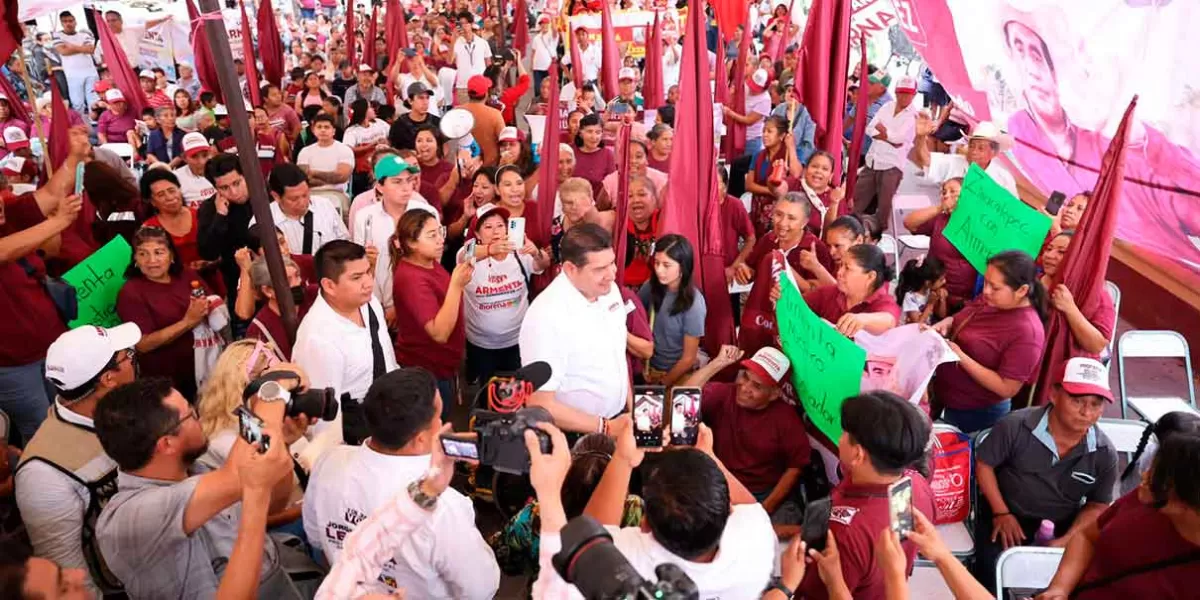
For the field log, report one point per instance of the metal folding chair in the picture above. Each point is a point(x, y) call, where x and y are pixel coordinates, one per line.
point(1114, 293)
point(1026, 567)
point(1155, 344)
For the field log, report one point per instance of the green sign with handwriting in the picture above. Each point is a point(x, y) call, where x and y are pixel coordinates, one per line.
point(989, 220)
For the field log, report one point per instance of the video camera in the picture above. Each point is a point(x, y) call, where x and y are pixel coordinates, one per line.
point(315, 403)
point(499, 437)
point(591, 562)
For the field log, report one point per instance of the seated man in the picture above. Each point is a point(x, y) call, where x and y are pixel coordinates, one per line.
point(171, 528)
point(760, 440)
point(697, 516)
point(882, 437)
point(449, 558)
point(1045, 463)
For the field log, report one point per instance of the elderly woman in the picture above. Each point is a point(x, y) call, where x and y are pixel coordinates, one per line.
point(188, 81)
point(166, 143)
point(639, 167)
point(932, 221)
point(267, 324)
point(642, 230)
point(1091, 326)
point(161, 189)
point(117, 124)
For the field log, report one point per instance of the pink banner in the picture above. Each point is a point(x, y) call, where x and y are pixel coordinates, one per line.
point(1058, 74)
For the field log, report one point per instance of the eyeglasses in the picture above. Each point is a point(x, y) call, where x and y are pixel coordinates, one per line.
point(192, 414)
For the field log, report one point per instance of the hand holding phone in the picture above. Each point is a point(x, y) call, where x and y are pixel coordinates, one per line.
point(79, 177)
point(685, 416)
point(251, 429)
point(815, 529)
point(648, 403)
point(516, 231)
point(460, 446)
point(900, 506)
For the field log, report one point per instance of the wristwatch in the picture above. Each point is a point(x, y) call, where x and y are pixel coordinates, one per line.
point(419, 497)
point(777, 584)
point(271, 391)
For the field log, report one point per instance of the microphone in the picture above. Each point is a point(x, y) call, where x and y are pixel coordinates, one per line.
point(506, 394)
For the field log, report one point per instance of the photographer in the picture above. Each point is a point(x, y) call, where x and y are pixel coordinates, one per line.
point(450, 558)
point(727, 552)
point(171, 521)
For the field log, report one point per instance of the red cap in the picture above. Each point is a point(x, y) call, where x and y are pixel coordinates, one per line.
point(478, 85)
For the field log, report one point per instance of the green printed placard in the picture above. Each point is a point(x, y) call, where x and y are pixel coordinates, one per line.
point(97, 281)
point(827, 366)
point(989, 220)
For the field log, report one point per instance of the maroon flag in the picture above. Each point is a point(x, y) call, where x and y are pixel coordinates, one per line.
point(548, 174)
point(734, 140)
point(250, 59)
point(369, 55)
point(11, 33)
point(610, 63)
point(351, 36)
point(779, 42)
point(520, 28)
point(19, 109)
point(824, 62)
point(1090, 247)
point(621, 206)
point(721, 75)
point(395, 31)
point(693, 207)
point(58, 140)
point(653, 93)
point(576, 59)
point(860, 119)
point(206, 67)
point(119, 67)
point(730, 14)
point(270, 44)
point(502, 19)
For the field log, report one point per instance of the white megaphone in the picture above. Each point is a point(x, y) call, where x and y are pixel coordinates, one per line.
point(456, 126)
point(537, 130)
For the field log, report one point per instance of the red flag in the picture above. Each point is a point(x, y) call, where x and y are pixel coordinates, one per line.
point(548, 149)
point(250, 59)
point(693, 207)
point(59, 144)
point(123, 75)
point(351, 36)
point(270, 44)
point(824, 61)
point(520, 28)
point(369, 55)
point(576, 60)
point(721, 75)
point(610, 63)
point(779, 42)
point(861, 101)
point(621, 222)
point(653, 93)
point(734, 141)
point(730, 14)
point(11, 33)
point(19, 109)
point(206, 68)
point(395, 31)
point(1089, 248)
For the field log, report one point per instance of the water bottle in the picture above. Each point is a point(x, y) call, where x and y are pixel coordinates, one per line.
point(197, 289)
point(1045, 533)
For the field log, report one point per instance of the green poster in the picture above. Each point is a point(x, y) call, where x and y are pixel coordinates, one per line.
point(989, 220)
point(97, 281)
point(827, 366)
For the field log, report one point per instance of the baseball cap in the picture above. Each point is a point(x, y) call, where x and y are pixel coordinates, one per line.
point(82, 353)
point(759, 80)
point(147, 73)
point(16, 165)
point(768, 363)
point(505, 55)
point(194, 143)
point(509, 134)
point(14, 138)
point(1084, 376)
point(906, 85)
point(417, 88)
point(114, 95)
point(365, 68)
point(392, 165)
point(880, 78)
point(543, 18)
point(626, 73)
point(486, 210)
point(479, 85)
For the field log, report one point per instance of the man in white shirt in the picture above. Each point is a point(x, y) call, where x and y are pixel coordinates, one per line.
point(343, 341)
point(192, 182)
point(589, 55)
point(328, 163)
point(447, 558)
point(577, 325)
point(472, 55)
point(76, 49)
point(64, 477)
point(727, 552)
point(395, 183)
point(130, 36)
point(308, 222)
point(892, 128)
point(985, 142)
point(544, 50)
point(672, 56)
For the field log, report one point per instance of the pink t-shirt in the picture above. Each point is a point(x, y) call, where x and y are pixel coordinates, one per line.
point(1009, 342)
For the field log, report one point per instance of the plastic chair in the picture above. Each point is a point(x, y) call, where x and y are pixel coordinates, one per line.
point(1026, 567)
point(1155, 344)
point(122, 149)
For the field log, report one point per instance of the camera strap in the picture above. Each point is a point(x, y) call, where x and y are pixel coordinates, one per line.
point(306, 245)
point(378, 366)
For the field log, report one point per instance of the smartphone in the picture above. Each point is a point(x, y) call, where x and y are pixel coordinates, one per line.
point(1055, 202)
point(79, 178)
point(469, 251)
point(815, 529)
point(516, 232)
point(620, 108)
point(460, 446)
point(250, 427)
point(900, 506)
point(648, 415)
point(685, 416)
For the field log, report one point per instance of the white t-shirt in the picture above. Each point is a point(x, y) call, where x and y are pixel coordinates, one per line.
point(375, 132)
point(470, 59)
point(914, 302)
point(195, 188)
point(326, 159)
point(77, 65)
point(672, 63)
point(545, 50)
point(761, 104)
point(496, 300)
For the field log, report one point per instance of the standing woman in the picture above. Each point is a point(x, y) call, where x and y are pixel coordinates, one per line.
point(662, 141)
point(364, 134)
point(483, 192)
point(510, 191)
point(778, 149)
point(641, 232)
point(999, 339)
point(593, 161)
point(430, 327)
point(435, 170)
point(1090, 330)
point(313, 93)
point(158, 297)
point(932, 221)
point(825, 199)
point(638, 167)
point(677, 311)
point(161, 189)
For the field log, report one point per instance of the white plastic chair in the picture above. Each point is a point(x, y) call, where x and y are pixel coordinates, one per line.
point(1155, 344)
point(122, 149)
point(1030, 567)
point(1125, 434)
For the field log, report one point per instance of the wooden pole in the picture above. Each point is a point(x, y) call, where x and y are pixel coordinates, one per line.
point(37, 118)
point(247, 152)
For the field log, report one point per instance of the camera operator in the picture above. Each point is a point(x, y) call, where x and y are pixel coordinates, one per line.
point(450, 558)
point(698, 517)
point(171, 522)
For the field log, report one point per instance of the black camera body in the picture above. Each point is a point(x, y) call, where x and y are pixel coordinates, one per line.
point(591, 562)
point(317, 403)
point(502, 437)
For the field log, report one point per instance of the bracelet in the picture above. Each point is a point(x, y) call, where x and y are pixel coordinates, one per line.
point(603, 427)
point(1000, 514)
point(777, 584)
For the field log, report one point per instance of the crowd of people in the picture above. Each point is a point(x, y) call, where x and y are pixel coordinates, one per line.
point(419, 270)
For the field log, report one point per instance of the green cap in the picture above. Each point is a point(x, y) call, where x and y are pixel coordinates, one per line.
point(881, 78)
point(391, 166)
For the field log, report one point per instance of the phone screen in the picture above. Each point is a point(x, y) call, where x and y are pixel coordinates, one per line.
point(469, 251)
point(620, 108)
point(685, 416)
point(816, 523)
point(250, 427)
point(457, 447)
point(516, 232)
point(79, 178)
point(1055, 202)
point(900, 506)
point(648, 415)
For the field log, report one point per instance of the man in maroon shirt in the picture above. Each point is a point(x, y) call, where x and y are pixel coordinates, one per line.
point(761, 440)
point(882, 436)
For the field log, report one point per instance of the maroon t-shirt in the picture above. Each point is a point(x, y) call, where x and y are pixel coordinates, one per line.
point(735, 226)
point(272, 323)
point(1135, 535)
point(154, 306)
point(1009, 342)
point(308, 267)
point(758, 316)
point(661, 165)
point(419, 294)
point(859, 513)
point(756, 445)
point(31, 322)
point(1103, 316)
point(830, 303)
point(960, 275)
point(595, 166)
point(435, 175)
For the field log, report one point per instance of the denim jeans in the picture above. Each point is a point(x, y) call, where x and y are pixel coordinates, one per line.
point(446, 389)
point(83, 93)
point(972, 420)
point(25, 396)
point(538, 76)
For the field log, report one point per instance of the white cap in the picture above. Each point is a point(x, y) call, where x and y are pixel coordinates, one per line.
point(114, 95)
point(425, 206)
point(509, 134)
point(147, 73)
point(15, 138)
point(627, 73)
point(12, 164)
point(193, 142)
point(988, 130)
point(365, 68)
point(759, 79)
point(768, 363)
point(1084, 376)
point(82, 353)
point(906, 84)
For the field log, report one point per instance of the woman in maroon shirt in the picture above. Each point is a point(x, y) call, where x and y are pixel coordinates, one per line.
point(826, 200)
point(1091, 326)
point(662, 141)
point(999, 339)
point(641, 231)
point(158, 297)
point(860, 301)
point(840, 235)
point(160, 188)
point(932, 221)
point(510, 194)
point(271, 143)
point(593, 161)
point(430, 327)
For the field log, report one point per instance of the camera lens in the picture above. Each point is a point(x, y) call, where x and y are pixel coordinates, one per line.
point(591, 562)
